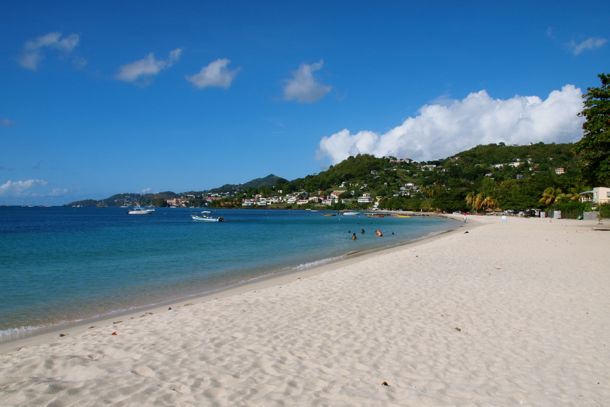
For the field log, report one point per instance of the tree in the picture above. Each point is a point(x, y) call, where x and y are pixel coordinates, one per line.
point(549, 196)
point(594, 147)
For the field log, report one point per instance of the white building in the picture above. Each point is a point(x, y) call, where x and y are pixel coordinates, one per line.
point(365, 199)
point(599, 195)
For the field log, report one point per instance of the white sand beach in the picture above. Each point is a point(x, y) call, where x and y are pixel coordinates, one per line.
point(508, 314)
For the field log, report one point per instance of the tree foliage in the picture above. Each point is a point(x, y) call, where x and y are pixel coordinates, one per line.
point(594, 147)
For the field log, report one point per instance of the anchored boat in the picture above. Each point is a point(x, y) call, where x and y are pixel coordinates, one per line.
point(205, 217)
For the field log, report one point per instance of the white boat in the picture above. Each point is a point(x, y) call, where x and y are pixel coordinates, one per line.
point(350, 213)
point(140, 211)
point(205, 217)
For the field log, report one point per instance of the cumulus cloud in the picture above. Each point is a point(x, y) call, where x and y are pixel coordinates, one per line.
point(147, 67)
point(303, 87)
point(590, 43)
point(441, 130)
point(215, 74)
point(34, 50)
point(7, 123)
point(20, 188)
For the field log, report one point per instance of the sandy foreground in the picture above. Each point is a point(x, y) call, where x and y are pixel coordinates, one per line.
point(508, 314)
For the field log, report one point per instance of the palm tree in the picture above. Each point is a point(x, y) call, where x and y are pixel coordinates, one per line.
point(480, 201)
point(550, 195)
point(470, 199)
point(489, 203)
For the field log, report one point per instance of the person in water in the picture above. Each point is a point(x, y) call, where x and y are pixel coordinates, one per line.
point(362, 230)
point(378, 233)
point(354, 237)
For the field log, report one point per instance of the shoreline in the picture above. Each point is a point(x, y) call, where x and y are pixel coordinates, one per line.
point(273, 277)
point(493, 313)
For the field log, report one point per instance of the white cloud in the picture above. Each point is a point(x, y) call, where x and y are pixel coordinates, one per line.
point(588, 44)
point(148, 66)
point(58, 191)
point(441, 130)
point(146, 190)
point(303, 87)
point(20, 188)
point(6, 123)
point(216, 73)
point(33, 50)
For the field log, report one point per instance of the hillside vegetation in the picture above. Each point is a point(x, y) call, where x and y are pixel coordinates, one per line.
point(515, 176)
point(487, 177)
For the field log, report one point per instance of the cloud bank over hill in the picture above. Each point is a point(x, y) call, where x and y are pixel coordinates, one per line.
point(443, 129)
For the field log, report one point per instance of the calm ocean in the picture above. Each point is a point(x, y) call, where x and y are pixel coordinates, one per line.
point(61, 265)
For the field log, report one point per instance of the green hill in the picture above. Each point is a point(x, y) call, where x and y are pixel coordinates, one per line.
point(268, 181)
point(516, 176)
point(511, 177)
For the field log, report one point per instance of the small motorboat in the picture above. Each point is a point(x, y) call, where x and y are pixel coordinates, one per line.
point(350, 213)
point(205, 217)
point(138, 210)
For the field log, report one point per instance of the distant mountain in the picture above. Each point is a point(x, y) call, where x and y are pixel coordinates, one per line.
point(123, 199)
point(270, 180)
point(129, 199)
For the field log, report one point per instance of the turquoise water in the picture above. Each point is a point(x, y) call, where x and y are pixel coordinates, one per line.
point(60, 265)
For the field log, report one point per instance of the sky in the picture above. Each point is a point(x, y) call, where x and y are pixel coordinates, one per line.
point(98, 98)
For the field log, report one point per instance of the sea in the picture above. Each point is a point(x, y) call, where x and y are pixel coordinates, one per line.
point(61, 266)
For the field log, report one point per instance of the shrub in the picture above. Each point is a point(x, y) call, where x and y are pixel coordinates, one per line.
point(604, 211)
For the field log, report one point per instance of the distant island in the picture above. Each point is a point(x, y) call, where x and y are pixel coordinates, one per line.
point(485, 178)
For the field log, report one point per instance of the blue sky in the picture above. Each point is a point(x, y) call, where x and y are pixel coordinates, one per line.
point(108, 97)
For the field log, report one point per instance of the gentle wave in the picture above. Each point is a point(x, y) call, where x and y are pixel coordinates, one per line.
point(316, 263)
point(11, 334)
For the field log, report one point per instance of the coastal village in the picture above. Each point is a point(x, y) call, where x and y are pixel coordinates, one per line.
point(491, 179)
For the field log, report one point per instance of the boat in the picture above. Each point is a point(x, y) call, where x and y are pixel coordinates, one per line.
point(350, 213)
point(138, 210)
point(205, 217)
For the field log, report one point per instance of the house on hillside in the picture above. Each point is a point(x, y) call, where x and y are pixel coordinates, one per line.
point(365, 199)
point(599, 196)
point(334, 196)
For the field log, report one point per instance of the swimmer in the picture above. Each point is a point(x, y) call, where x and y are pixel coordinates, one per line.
point(354, 237)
